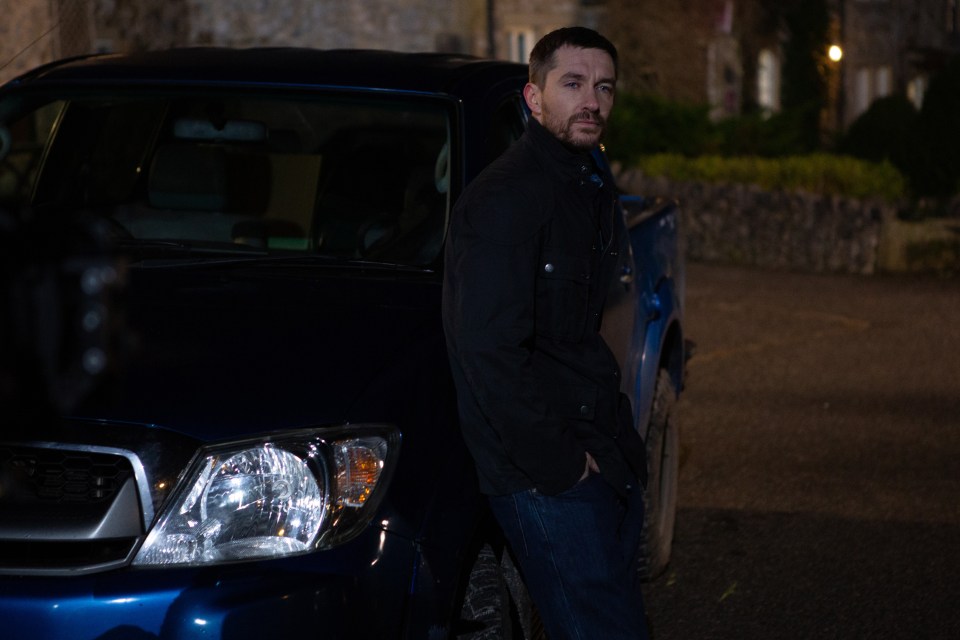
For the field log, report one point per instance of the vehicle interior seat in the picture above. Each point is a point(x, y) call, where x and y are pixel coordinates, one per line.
point(200, 191)
point(378, 186)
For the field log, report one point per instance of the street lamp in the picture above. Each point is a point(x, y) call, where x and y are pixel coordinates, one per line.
point(835, 53)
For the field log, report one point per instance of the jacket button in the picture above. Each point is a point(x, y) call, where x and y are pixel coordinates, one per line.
point(584, 410)
point(548, 267)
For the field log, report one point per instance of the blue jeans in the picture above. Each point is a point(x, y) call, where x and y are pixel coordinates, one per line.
point(577, 554)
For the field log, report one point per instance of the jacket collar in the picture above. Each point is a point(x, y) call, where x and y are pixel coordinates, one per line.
point(569, 164)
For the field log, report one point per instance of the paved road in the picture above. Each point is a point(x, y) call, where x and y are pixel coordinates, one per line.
point(820, 463)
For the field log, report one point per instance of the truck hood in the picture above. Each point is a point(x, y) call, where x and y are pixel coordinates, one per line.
point(216, 352)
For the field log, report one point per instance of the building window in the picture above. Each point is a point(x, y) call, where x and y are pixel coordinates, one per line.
point(768, 81)
point(916, 90)
point(861, 91)
point(883, 81)
point(725, 18)
point(521, 42)
point(869, 84)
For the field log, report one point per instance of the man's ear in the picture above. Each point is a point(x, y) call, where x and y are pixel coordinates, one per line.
point(533, 95)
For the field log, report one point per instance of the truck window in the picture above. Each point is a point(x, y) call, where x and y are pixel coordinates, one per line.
point(507, 126)
point(22, 141)
point(345, 176)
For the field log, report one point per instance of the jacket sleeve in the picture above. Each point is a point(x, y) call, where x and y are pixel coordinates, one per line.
point(494, 255)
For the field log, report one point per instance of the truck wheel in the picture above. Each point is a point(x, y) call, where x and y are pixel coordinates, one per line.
point(663, 453)
point(485, 600)
point(496, 605)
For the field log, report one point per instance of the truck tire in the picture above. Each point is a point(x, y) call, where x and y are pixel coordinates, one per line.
point(483, 600)
point(496, 605)
point(663, 455)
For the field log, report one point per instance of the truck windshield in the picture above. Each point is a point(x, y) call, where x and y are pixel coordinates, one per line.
point(328, 174)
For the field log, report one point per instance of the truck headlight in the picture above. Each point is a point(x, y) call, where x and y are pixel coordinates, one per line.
point(286, 494)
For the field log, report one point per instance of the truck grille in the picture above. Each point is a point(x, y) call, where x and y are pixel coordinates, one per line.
point(66, 510)
point(41, 476)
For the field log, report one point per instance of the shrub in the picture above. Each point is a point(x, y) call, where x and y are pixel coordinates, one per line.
point(779, 134)
point(644, 124)
point(817, 173)
point(922, 145)
point(888, 130)
point(939, 123)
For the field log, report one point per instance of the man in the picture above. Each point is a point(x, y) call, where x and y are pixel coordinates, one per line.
point(531, 253)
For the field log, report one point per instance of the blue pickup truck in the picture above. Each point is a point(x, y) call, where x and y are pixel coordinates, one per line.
point(227, 405)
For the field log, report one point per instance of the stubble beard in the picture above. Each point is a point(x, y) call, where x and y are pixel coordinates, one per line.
point(563, 130)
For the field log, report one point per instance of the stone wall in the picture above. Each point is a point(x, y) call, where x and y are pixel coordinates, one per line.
point(34, 32)
point(746, 225)
point(743, 224)
point(409, 25)
point(406, 25)
point(26, 37)
point(38, 31)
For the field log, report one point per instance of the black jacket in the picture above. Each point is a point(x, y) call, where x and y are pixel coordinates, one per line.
point(530, 256)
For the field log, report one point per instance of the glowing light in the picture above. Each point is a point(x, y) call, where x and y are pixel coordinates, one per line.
point(835, 53)
point(358, 475)
point(383, 541)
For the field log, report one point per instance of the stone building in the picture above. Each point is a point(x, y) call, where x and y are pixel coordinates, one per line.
point(684, 50)
point(729, 53)
point(892, 46)
point(124, 25)
point(724, 53)
point(36, 31)
point(496, 28)
point(518, 24)
point(41, 30)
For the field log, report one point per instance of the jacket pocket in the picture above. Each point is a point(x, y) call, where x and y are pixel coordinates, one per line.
point(563, 296)
point(572, 402)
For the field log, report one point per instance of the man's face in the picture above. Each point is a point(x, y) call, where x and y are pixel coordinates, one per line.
point(576, 97)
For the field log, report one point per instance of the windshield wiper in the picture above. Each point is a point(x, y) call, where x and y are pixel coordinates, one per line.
point(141, 250)
point(315, 258)
point(170, 252)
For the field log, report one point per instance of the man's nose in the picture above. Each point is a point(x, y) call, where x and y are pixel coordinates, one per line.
point(592, 101)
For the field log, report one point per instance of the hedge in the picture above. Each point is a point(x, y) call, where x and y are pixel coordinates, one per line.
point(818, 173)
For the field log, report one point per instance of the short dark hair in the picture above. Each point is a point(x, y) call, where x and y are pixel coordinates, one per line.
point(542, 58)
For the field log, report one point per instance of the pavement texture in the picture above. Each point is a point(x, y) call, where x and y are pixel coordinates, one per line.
point(820, 460)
